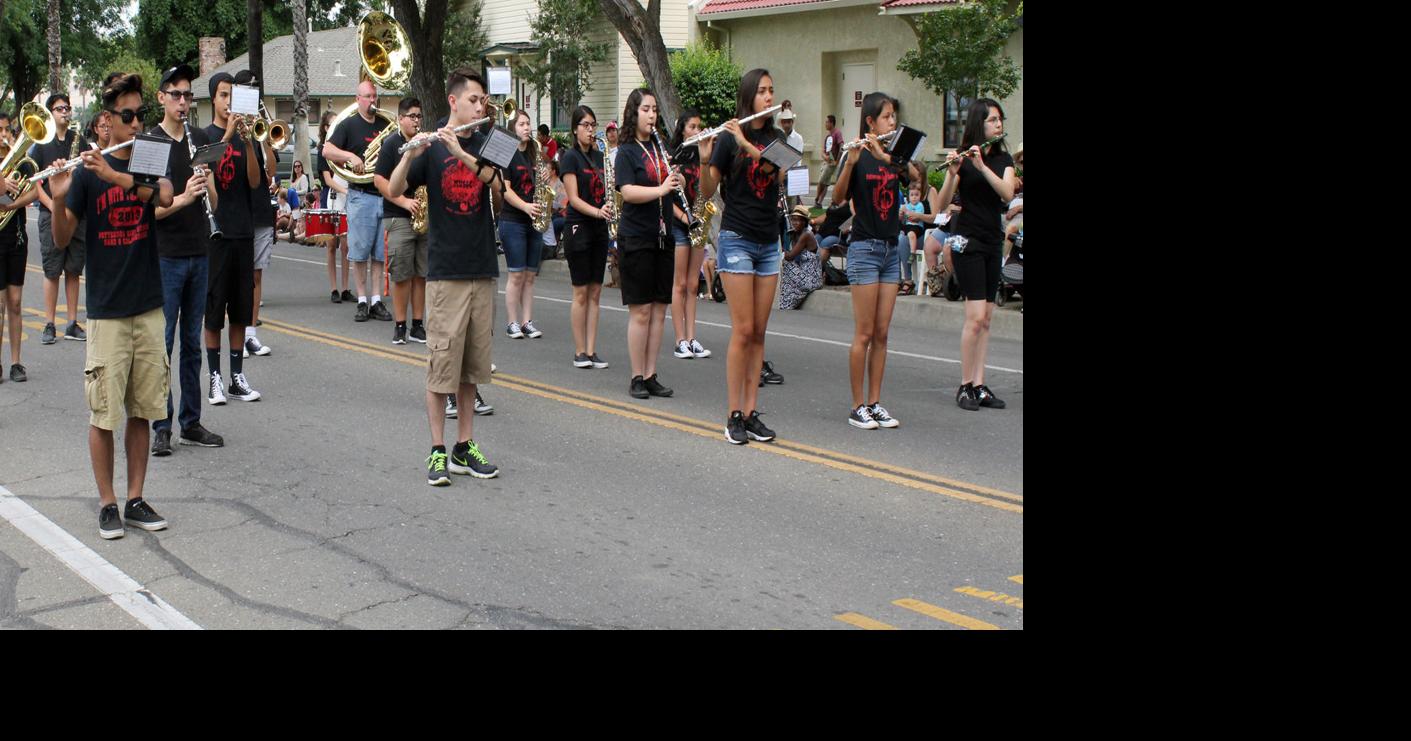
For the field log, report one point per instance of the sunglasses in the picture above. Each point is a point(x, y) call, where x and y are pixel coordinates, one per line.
point(127, 115)
point(180, 94)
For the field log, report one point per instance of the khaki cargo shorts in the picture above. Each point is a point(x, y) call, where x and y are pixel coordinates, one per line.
point(459, 317)
point(127, 372)
point(407, 254)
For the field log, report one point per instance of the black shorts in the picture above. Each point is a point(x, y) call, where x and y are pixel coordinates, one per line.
point(918, 229)
point(230, 285)
point(977, 269)
point(14, 250)
point(648, 272)
point(585, 244)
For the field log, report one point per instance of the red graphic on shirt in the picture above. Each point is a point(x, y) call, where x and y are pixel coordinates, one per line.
point(597, 192)
point(758, 180)
point(124, 213)
point(227, 167)
point(884, 194)
point(461, 191)
point(692, 175)
point(524, 182)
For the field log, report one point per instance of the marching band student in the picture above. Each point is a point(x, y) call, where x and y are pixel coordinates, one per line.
point(648, 189)
point(986, 182)
point(748, 255)
point(125, 372)
point(869, 179)
point(585, 234)
point(524, 247)
point(407, 251)
point(688, 259)
point(461, 274)
point(348, 144)
point(334, 196)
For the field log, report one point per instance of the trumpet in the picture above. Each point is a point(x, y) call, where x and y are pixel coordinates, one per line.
point(77, 162)
point(715, 131)
point(276, 130)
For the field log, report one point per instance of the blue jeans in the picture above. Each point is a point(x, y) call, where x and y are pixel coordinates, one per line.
point(873, 261)
point(365, 227)
point(184, 291)
point(524, 247)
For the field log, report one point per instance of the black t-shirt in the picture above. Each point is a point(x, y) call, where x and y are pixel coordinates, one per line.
point(232, 186)
point(58, 149)
point(184, 233)
point(264, 208)
point(980, 218)
point(520, 178)
point(354, 135)
point(322, 167)
point(587, 169)
point(124, 276)
point(644, 165)
point(462, 244)
point(751, 196)
point(385, 165)
point(873, 190)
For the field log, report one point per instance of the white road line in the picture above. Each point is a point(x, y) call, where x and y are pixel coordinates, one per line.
point(149, 609)
point(805, 338)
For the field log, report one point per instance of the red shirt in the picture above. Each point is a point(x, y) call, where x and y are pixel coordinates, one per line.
point(551, 148)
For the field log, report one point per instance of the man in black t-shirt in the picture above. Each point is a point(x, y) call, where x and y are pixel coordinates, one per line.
point(231, 285)
point(262, 215)
point(406, 250)
point(58, 260)
point(183, 233)
point(461, 275)
point(125, 371)
point(348, 145)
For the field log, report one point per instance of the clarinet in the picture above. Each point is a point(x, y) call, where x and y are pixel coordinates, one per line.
point(205, 197)
point(692, 220)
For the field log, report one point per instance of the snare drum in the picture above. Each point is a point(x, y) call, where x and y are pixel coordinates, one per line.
point(324, 223)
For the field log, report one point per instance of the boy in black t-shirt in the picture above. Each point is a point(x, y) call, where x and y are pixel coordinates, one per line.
point(66, 261)
point(14, 251)
point(125, 368)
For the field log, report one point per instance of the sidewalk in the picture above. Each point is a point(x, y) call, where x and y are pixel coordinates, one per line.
point(918, 312)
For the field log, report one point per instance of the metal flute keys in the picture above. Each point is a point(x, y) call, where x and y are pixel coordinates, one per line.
point(715, 131)
point(425, 138)
point(77, 162)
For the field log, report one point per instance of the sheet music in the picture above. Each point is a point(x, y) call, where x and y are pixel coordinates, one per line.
point(798, 181)
point(149, 156)
point(245, 100)
point(499, 80)
point(500, 148)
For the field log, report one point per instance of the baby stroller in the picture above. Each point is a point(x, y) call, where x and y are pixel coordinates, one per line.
point(1012, 274)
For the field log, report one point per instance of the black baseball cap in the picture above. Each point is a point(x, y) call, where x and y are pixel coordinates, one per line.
point(217, 79)
point(179, 72)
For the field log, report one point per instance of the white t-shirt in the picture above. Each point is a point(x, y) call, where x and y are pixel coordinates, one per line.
point(795, 140)
point(338, 201)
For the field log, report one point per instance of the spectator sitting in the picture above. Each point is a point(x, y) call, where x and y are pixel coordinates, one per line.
point(800, 273)
point(832, 227)
point(285, 218)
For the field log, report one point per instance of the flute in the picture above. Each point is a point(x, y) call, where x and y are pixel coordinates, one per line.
point(715, 131)
point(426, 138)
point(950, 160)
point(863, 142)
point(76, 162)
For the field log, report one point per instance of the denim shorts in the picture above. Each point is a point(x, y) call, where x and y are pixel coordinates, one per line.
point(739, 255)
point(524, 247)
point(679, 232)
point(365, 227)
point(873, 261)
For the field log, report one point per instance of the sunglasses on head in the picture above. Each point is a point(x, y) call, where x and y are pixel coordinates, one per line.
point(127, 115)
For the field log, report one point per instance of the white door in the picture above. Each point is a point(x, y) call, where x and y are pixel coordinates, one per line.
point(857, 81)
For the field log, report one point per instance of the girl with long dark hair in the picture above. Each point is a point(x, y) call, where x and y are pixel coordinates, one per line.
point(585, 234)
point(688, 258)
point(524, 247)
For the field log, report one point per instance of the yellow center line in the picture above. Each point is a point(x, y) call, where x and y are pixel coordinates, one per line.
point(679, 423)
point(942, 614)
point(862, 621)
point(992, 596)
point(1018, 579)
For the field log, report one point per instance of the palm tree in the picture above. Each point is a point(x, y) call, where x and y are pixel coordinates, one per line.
point(301, 82)
point(55, 52)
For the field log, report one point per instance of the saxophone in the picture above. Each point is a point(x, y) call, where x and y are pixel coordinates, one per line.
point(610, 183)
point(419, 223)
point(705, 210)
point(77, 140)
point(543, 191)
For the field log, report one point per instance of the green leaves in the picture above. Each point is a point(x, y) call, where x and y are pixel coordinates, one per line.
point(707, 81)
point(564, 31)
point(960, 49)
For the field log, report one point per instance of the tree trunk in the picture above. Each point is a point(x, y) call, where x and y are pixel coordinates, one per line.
point(256, 27)
point(426, 33)
point(641, 27)
point(55, 50)
point(301, 84)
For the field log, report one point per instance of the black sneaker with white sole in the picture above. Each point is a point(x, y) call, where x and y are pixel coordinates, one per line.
point(109, 524)
point(655, 388)
point(638, 388)
point(348, 296)
point(140, 514)
point(531, 331)
point(683, 351)
point(987, 398)
point(882, 417)
point(735, 429)
point(380, 313)
point(754, 427)
point(217, 393)
point(598, 362)
point(361, 314)
point(513, 331)
point(240, 389)
point(399, 334)
point(965, 398)
point(452, 410)
point(861, 418)
point(467, 460)
point(75, 332)
point(161, 443)
point(436, 468)
point(253, 346)
point(767, 374)
point(581, 360)
point(481, 408)
point(418, 333)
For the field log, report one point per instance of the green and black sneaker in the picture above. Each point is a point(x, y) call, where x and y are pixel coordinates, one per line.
point(466, 458)
point(436, 468)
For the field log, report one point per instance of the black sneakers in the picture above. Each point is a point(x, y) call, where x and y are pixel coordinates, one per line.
point(109, 524)
point(140, 514)
point(655, 388)
point(418, 333)
point(240, 389)
point(531, 331)
point(861, 418)
point(161, 446)
point(755, 428)
point(48, 338)
point(348, 296)
point(735, 429)
point(882, 417)
point(75, 332)
point(581, 360)
point(966, 399)
point(380, 312)
point(481, 408)
point(399, 334)
point(767, 375)
point(598, 362)
point(987, 397)
point(18, 375)
point(334, 297)
point(436, 468)
point(466, 459)
point(638, 389)
point(362, 313)
point(452, 410)
point(200, 436)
